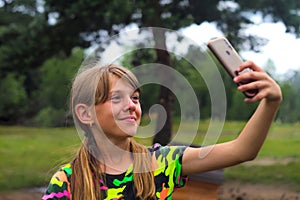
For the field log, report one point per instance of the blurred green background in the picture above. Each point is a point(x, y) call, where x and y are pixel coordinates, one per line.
point(43, 43)
point(30, 156)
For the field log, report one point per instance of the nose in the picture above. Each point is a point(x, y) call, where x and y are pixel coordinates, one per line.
point(130, 105)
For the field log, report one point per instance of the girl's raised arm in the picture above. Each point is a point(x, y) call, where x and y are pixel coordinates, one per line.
point(247, 145)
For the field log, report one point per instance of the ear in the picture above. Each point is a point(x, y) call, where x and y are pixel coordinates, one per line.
point(84, 114)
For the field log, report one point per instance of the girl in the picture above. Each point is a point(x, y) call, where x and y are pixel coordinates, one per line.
point(110, 165)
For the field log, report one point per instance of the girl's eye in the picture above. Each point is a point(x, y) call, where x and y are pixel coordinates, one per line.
point(115, 98)
point(135, 98)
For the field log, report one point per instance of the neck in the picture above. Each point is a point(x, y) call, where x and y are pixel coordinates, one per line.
point(115, 157)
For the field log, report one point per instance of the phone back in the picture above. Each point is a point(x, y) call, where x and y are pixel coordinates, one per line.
point(226, 54)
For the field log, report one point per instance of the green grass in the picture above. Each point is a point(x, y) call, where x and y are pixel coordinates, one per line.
point(282, 142)
point(29, 156)
point(277, 174)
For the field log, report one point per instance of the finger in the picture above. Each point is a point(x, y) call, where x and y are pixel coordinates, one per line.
point(252, 75)
point(258, 97)
point(251, 65)
point(255, 85)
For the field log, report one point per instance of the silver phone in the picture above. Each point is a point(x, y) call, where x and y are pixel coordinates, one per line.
point(229, 59)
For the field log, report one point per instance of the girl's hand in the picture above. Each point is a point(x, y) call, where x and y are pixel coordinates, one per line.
point(267, 88)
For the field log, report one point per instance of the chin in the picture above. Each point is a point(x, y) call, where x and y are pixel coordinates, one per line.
point(129, 131)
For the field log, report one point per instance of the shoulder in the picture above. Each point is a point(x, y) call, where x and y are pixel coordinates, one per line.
point(170, 152)
point(59, 186)
point(166, 156)
point(167, 165)
point(63, 174)
point(67, 169)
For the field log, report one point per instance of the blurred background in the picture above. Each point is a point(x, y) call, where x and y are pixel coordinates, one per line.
point(43, 43)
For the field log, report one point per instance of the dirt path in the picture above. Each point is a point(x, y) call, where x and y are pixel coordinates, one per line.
point(20, 195)
point(227, 191)
point(237, 191)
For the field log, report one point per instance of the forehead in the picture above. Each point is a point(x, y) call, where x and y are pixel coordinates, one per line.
point(120, 84)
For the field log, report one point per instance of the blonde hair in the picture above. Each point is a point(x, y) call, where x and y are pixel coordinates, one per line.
point(91, 87)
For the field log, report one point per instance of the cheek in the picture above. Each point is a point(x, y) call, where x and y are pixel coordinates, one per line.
point(139, 110)
point(104, 114)
point(139, 113)
point(115, 110)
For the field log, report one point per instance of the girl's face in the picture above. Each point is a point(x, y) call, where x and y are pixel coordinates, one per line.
point(119, 116)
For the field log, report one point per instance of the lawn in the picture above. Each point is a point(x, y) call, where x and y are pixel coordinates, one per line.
point(29, 156)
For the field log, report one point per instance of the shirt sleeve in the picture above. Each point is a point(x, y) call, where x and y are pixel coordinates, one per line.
point(167, 173)
point(59, 186)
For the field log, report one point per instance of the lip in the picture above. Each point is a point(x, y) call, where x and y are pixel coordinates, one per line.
point(129, 119)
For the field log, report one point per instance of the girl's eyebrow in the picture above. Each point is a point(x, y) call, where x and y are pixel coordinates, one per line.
point(122, 91)
point(115, 91)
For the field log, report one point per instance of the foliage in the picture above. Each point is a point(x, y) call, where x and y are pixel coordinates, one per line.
point(50, 117)
point(239, 109)
point(55, 84)
point(13, 99)
point(56, 77)
point(34, 33)
point(48, 103)
point(291, 99)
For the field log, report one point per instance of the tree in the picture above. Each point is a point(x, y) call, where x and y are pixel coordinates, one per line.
point(13, 99)
point(56, 74)
point(62, 25)
point(291, 94)
point(230, 16)
point(31, 31)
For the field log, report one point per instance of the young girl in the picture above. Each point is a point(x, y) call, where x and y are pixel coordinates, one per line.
point(110, 165)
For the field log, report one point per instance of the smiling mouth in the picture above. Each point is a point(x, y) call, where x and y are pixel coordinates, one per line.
point(129, 119)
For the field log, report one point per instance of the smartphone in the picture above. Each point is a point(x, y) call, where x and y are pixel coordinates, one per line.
point(229, 59)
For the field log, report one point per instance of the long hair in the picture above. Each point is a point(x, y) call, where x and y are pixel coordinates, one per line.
point(91, 87)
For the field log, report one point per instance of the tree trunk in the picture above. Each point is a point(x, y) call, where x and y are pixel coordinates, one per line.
point(166, 97)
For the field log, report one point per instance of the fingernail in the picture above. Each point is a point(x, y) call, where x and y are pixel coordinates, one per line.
point(235, 79)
